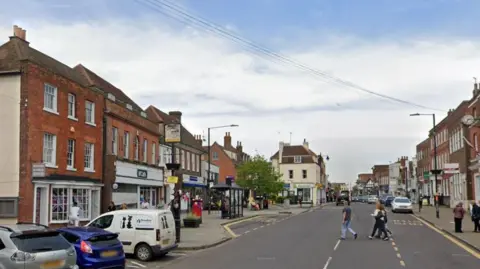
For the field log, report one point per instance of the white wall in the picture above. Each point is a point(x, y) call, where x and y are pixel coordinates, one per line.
point(10, 135)
point(313, 173)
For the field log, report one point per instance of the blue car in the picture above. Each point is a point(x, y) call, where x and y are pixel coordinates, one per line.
point(96, 248)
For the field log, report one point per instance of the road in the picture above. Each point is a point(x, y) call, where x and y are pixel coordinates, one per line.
point(311, 240)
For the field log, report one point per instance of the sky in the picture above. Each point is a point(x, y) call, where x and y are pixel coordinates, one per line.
point(266, 65)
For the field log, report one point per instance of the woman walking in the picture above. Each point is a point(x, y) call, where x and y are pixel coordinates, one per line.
point(458, 214)
point(380, 217)
point(475, 211)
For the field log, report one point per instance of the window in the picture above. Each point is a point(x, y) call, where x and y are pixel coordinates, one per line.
point(475, 142)
point(297, 159)
point(114, 141)
point(90, 112)
point(8, 207)
point(177, 155)
point(71, 106)
point(50, 241)
point(145, 147)
point(88, 158)
point(136, 148)
point(72, 239)
point(304, 173)
point(188, 161)
point(50, 149)
point(126, 145)
point(474, 112)
point(215, 155)
point(167, 154)
point(183, 159)
point(103, 222)
point(154, 151)
point(71, 154)
point(290, 174)
point(59, 204)
point(50, 98)
point(198, 163)
point(82, 198)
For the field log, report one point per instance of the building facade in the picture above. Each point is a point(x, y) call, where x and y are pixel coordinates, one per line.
point(425, 184)
point(300, 169)
point(214, 172)
point(381, 176)
point(131, 174)
point(473, 139)
point(187, 153)
point(56, 139)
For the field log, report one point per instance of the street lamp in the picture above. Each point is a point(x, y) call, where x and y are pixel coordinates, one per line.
point(435, 170)
point(209, 156)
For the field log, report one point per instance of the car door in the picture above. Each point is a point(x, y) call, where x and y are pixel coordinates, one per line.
point(170, 228)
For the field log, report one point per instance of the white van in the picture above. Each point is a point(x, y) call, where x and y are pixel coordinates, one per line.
point(143, 232)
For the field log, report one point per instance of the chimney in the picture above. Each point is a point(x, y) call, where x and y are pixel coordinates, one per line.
point(280, 151)
point(199, 139)
point(305, 143)
point(227, 140)
point(239, 147)
point(20, 33)
point(177, 115)
point(476, 88)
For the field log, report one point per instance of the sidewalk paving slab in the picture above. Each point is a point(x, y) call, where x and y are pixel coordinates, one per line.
point(212, 233)
point(445, 223)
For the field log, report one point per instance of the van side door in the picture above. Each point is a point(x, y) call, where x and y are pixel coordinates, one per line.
point(125, 226)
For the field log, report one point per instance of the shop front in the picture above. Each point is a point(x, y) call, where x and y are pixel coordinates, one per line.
point(306, 192)
point(193, 187)
point(54, 195)
point(135, 184)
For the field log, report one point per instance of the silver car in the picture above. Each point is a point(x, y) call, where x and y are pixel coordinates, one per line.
point(33, 246)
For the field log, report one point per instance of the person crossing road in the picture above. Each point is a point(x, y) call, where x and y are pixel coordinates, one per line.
point(346, 222)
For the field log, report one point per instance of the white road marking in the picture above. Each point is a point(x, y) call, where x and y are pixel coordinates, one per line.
point(139, 264)
point(327, 263)
point(265, 258)
point(336, 245)
point(399, 256)
point(262, 226)
point(255, 228)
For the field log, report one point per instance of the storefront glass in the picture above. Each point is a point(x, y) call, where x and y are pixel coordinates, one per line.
point(305, 194)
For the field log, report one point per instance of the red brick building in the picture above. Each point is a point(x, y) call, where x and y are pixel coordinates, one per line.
point(441, 187)
point(474, 140)
point(423, 167)
point(55, 131)
point(381, 177)
point(131, 153)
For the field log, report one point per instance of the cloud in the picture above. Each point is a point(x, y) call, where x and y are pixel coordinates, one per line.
point(214, 82)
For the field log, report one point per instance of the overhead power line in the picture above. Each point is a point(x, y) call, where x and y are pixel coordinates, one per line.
point(182, 15)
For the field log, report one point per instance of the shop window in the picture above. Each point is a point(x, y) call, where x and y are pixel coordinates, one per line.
point(62, 199)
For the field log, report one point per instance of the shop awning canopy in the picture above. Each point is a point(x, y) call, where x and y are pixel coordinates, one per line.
point(224, 186)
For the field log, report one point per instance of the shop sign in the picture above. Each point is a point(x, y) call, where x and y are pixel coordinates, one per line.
point(172, 180)
point(173, 133)
point(142, 173)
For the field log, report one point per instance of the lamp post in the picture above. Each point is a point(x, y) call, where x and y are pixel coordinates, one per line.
point(435, 170)
point(209, 156)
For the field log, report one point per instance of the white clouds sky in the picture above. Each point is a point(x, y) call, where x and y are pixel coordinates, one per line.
point(191, 71)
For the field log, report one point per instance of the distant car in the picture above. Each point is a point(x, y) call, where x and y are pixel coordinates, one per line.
point(388, 201)
point(96, 248)
point(355, 199)
point(372, 199)
point(343, 196)
point(402, 204)
point(29, 245)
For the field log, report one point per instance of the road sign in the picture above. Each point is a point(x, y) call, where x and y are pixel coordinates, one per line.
point(426, 175)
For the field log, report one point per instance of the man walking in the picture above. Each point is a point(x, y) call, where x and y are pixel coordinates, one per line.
point(346, 221)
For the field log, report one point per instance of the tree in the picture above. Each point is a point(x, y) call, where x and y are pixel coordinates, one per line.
point(259, 175)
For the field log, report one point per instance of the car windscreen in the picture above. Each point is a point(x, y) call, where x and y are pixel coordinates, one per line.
point(402, 200)
point(344, 193)
point(104, 240)
point(40, 242)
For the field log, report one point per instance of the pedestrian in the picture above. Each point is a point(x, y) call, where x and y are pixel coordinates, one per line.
point(379, 216)
point(346, 222)
point(124, 206)
point(74, 214)
point(111, 207)
point(476, 216)
point(458, 214)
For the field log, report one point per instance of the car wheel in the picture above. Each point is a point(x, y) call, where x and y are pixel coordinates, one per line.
point(143, 252)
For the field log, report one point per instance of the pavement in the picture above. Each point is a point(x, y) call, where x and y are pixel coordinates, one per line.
point(311, 240)
point(446, 224)
point(215, 231)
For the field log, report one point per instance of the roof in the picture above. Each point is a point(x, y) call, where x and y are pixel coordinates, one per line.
point(158, 116)
point(85, 231)
point(95, 80)
point(17, 50)
point(297, 150)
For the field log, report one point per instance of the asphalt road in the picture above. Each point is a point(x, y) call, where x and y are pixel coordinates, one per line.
point(257, 223)
point(311, 240)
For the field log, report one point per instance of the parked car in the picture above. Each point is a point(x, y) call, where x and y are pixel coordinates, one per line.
point(388, 201)
point(96, 248)
point(372, 199)
point(402, 204)
point(30, 245)
point(143, 232)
